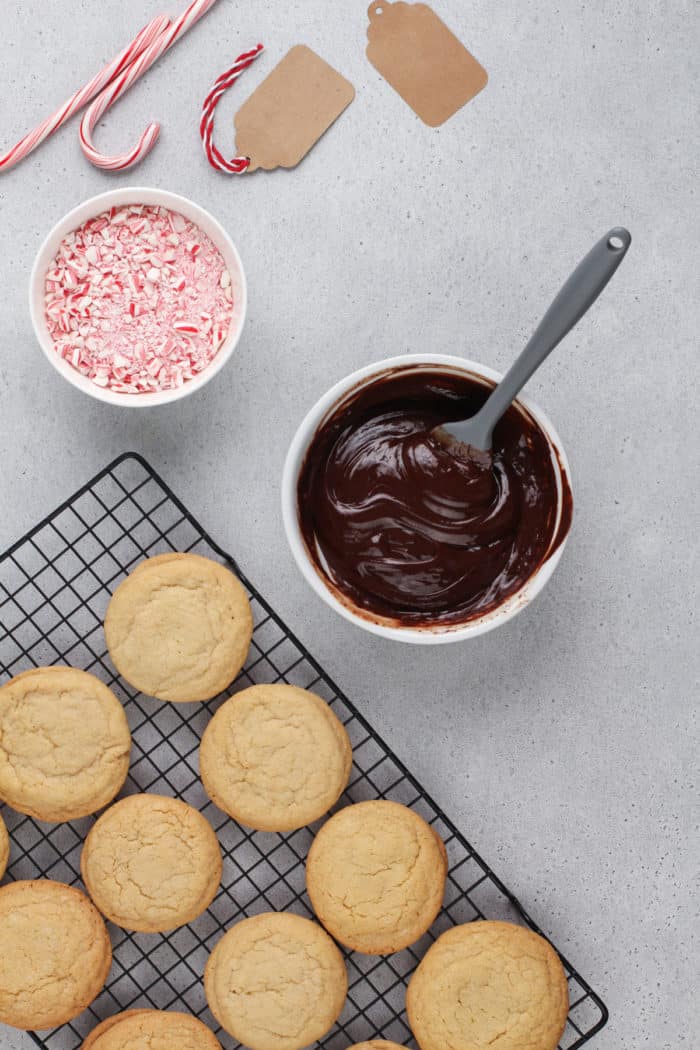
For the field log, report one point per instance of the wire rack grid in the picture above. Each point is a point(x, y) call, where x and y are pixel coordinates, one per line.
point(55, 584)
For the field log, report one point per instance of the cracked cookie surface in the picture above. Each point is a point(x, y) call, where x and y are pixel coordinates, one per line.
point(64, 743)
point(488, 984)
point(275, 757)
point(276, 982)
point(55, 953)
point(151, 1030)
point(376, 876)
point(151, 863)
point(4, 847)
point(179, 627)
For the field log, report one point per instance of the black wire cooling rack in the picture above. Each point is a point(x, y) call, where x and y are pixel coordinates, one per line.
point(54, 588)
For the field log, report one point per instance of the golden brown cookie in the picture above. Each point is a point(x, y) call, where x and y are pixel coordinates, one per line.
point(64, 743)
point(55, 954)
point(276, 982)
point(151, 1030)
point(376, 1044)
point(179, 627)
point(376, 876)
point(275, 757)
point(151, 863)
point(4, 847)
point(487, 984)
point(105, 1025)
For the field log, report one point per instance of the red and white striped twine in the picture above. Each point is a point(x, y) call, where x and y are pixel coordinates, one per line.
point(237, 165)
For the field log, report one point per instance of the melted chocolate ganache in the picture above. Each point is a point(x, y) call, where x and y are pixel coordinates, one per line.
point(406, 530)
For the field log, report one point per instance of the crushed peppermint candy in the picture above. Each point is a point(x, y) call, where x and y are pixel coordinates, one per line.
point(138, 299)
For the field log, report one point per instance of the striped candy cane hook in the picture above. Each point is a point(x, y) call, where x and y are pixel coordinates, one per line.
point(170, 35)
point(237, 165)
point(80, 99)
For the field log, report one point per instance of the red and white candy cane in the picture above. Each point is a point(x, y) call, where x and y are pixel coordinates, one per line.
point(237, 165)
point(76, 102)
point(169, 36)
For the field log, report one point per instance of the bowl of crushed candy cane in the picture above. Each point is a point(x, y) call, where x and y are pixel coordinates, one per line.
point(138, 297)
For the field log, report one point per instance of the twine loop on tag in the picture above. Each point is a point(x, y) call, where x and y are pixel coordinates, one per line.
point(237, 165)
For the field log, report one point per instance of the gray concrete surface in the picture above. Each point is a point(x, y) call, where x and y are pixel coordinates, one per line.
point(562, 744)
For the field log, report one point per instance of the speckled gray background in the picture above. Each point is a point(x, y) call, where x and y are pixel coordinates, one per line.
point(563, 743)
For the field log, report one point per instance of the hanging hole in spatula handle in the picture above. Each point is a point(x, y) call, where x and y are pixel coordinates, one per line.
point(619, 240)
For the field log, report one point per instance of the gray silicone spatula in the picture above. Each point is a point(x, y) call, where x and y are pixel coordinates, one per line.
point(578, 294)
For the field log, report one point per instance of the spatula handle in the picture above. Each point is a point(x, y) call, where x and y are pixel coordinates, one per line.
point(576, 296)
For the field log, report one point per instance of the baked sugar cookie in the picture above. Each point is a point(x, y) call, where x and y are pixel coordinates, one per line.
point(151, 863)
point(55, 954)
point(276, 982)
point(376, 876)
point(377, 1044)
point(179, 627)
point(105, 1025)
point(65, 743)
point(152, 1030)
point(487, 984)
point(4, 847)
point(275, 757)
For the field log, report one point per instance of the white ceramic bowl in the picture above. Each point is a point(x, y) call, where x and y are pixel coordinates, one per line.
point(118, 198)
point(440, 633)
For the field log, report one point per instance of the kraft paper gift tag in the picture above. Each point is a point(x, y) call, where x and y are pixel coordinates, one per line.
point(289, 112)
point(422, 60)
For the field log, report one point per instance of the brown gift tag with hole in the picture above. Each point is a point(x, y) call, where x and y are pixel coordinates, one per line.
point(287, 114)
point(422, 60)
